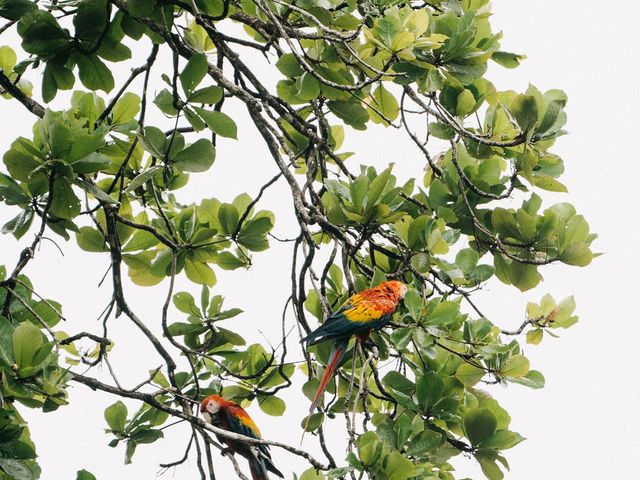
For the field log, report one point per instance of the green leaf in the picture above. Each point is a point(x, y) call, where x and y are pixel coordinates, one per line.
point(311, 474)
point(548, 183)
point(443, 313)
point(228, 261)
point(92, 163)
point(143, 178)
point(8, 58)
point(469, 374)
point(479, 424)
point(417, 22)
point(19, 225)
point(253, 234)
point(84, 475)
point(465, 103)
point(534, 337)
point(20, 469)
point(185, 302)
point(141, 8)
point(154, 141)
point(209, 95)
point(272, 405)
point(20, 165)
point(577, 254)
point(533, 379)
point(350, 112)
point(502, 440)
point(467, 259)
point(358, 190)
point(95, 191)
point(525, 110)
point(228, 217)
point(147, 436)
point(41, 34)
point(65, 202)
point(56, 77)
point(6, 342)
point(14, 9)
point(11, 192)
point(56, 135)
point(219, 123)
point(369, 448)
point(26, 340)
point(91, 240)
point(315, 420)
point(90, 20)
point(83, 148)
point(383, 107)
point(199, 272)
point(413, 302)
point(116, 416)
point(523, 276)
point(94, 74)
point(429, 388)
point(288, 65)
point(131, 27)
point(516, 366)
point(397, 381)
point(193, 72)
point(17, 450)
point(487, 460)
point(507, 59)
point(398, 467)
point(126, 108)
point(441, 130)
point(164, 101)
point(197, 157)
point(425, 441)
point(401, 337)
point(308, 86)
point(386, 29)
point(179, 329)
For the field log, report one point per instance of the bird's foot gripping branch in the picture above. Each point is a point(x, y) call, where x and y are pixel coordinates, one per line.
point(386, 265)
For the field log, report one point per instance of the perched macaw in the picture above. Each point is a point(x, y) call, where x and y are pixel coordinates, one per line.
point(367, 310)
point(230, 416)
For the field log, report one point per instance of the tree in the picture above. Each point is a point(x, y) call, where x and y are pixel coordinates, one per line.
point(96, 168)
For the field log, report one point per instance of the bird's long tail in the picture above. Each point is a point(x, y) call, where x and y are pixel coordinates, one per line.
point(258, 468)
point(260, 463)
point(335, 359)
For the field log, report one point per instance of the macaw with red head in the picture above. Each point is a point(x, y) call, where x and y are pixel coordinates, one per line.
point(365, 311)
point(230, 416)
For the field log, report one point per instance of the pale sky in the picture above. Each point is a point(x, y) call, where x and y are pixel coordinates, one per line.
point(584, 425)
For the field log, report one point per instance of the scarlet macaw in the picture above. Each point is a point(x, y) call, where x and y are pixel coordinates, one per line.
point(367, 310)
point(230, 416)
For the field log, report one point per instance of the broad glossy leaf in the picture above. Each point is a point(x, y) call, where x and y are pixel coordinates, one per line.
point(26, 340)
point(220, 123)
point(479, 424)
point(272, 405)
point(193, 72)
point(116, 416)
point(197, 157)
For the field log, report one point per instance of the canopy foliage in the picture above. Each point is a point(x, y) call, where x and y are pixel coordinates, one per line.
point(98, 170)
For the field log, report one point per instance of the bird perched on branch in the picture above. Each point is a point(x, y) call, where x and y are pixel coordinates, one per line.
point(230, 416)
point(367, 310)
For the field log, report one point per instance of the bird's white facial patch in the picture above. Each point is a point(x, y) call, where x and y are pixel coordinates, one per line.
point(213, 407)
point(403, 290)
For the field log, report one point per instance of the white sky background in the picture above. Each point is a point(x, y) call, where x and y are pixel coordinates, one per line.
point(583, 425)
